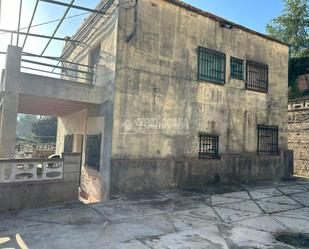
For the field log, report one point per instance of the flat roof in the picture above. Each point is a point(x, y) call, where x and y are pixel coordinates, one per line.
point(189, 8)
point(222, 20)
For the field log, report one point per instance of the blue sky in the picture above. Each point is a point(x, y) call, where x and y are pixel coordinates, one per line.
point(254, 14)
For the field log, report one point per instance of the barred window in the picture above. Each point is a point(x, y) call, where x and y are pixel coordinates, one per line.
point(68, 143)
point(257, 76)
point(209, 146)
point(237, 68)
point(93, 146)
point(267, 140)
point(211, 65)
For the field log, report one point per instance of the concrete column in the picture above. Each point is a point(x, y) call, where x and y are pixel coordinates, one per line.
point(8, 125)
point(10, 102)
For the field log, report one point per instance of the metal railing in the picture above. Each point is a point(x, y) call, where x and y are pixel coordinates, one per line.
point(66, 70)
point(25, 170)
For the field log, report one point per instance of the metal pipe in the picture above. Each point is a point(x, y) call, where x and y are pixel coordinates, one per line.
point(55, 58)
point(133, 33)
point(73, 6)
point(0, 10)
point(29, 27)
point(19, 17)
point(37, 35)
point(45, 71)
point(58, 26)
point(59, 67)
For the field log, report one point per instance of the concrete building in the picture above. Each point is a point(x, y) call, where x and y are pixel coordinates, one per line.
point(179, 98)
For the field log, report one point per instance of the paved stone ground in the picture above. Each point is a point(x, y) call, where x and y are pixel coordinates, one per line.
point(248, 217)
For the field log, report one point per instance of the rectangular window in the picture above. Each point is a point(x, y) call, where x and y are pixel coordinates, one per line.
point(237, 68)
point(209, 146)
point(211, 65)
point(93, 147)
point(95, 56)
point(257, 76)
point(267, 140)
point(68, 144)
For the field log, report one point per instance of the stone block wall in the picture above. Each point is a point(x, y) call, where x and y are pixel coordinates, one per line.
point(298, 135)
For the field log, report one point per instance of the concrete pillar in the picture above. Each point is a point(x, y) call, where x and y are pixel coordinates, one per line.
point(10, 102)
point(8, 125)
point(12, 69)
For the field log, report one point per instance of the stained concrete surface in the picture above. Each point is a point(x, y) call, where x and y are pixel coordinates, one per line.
point(249, 217)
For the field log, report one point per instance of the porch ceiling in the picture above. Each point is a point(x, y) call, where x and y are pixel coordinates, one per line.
point(46, 106)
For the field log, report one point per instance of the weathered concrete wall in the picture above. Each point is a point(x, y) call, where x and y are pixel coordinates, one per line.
point(299, 135)
point(157, 79)
point(155, 105)
point(21, 195)
point(74, 123)
point(149, 175)
point(99, 119)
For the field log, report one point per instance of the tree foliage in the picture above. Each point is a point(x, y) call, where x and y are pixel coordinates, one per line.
point(292, 27)
point(45, 129)
point(24, 125)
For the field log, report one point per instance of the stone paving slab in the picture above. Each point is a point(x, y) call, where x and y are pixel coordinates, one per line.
point(249, 217)
point(292, 189)
point(249, 206)
point(265, 193)
point(280, 200)
point(219, 200)
point(272, 207)
point(262, 223)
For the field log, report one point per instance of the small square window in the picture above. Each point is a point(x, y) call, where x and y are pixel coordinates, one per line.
point(93, 145)
point(208, 146)
point(257, 77)
point(237, 68)
point(267, 140)
point(211, 65)
point(95, 56)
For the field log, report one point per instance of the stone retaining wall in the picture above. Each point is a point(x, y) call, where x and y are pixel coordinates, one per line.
point(298, 135)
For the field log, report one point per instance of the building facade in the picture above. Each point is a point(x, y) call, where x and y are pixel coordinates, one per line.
point(187, 97)
point(179, 98)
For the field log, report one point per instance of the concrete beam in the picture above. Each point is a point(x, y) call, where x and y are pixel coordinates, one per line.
point(59, 89)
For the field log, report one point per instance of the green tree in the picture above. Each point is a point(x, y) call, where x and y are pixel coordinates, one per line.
point(292, 27)
point(24, 125)
point(45, 129)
